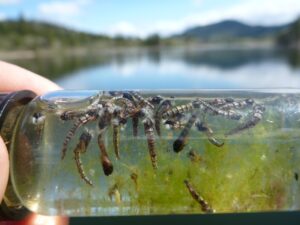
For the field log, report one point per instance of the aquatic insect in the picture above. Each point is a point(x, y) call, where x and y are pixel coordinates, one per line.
point(254, 119)
point(162, 108)
point(81, 148)
point(178, 110)
point(141, 101)
point(113, 110)
point(198, 198)
point(203, 127)
point(116, 139)
point(237, 104)
point(198, 103)
point(105, 161)
point(149, 132)
point(194, 156)
point(180, 142)
point(89, 116)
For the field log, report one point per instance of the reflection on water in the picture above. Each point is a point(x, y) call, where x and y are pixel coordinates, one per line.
point(174, 68)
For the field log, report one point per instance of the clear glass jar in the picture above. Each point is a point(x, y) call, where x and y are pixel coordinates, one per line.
point(81, 153)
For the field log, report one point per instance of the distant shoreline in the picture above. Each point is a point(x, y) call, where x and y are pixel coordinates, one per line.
point(96, 50)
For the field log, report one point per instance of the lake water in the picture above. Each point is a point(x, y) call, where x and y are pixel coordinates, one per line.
point(174, 69)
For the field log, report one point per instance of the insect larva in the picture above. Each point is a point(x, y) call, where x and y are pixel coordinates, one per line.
point(237, 105)
point(216, 111)
point(148, 127)
point(180, 142)
point(256, 116)
point(78, 123)
point(106, 163)
point(203, 127)
point(81, 148)
point(163, 107)
point(116, 140)
point(141, 100)
point(195, 195)
point(177, 110)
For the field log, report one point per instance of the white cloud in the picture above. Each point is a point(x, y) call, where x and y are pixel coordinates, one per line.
point(62, 8)
point(65, 8)
point(9, 2)
point(263, 12)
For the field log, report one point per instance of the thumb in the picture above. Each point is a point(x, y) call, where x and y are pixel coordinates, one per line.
point(3, 168)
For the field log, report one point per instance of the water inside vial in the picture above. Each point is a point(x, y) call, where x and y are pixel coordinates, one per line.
point(257, 169)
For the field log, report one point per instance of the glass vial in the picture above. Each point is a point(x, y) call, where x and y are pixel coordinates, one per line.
point(81, 153)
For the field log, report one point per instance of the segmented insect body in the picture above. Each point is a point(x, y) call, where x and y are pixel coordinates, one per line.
point(180, 142)
point(116, 139)
point(81, 148)
point(216, 111)
point(90, 116)
point(141, 101)
point(178, 110)
point(134, 111)
point(174, 124)
point(107, 165)
point(203, 127)
point(255, 118)
point(198, 198)
point(218, 102)
point(71, 115)
point(149, 132)
point(163, 107)
point(237, 104)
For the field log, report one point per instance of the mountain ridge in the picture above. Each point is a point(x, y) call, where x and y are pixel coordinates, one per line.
point(231, 29)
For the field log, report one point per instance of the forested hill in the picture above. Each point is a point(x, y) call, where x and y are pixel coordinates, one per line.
point(231, 29)
point(291, 36)
point(23, 34)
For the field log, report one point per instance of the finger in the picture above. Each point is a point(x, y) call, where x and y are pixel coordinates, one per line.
point(13, 78)
point(35, 219)
point(3, 168)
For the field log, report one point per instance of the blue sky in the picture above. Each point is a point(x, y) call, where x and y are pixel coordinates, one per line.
point(144, 17)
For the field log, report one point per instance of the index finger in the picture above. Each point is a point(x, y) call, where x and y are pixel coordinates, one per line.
point(14, 78)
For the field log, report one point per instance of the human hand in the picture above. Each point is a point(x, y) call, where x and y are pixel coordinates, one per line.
point(14, 78)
